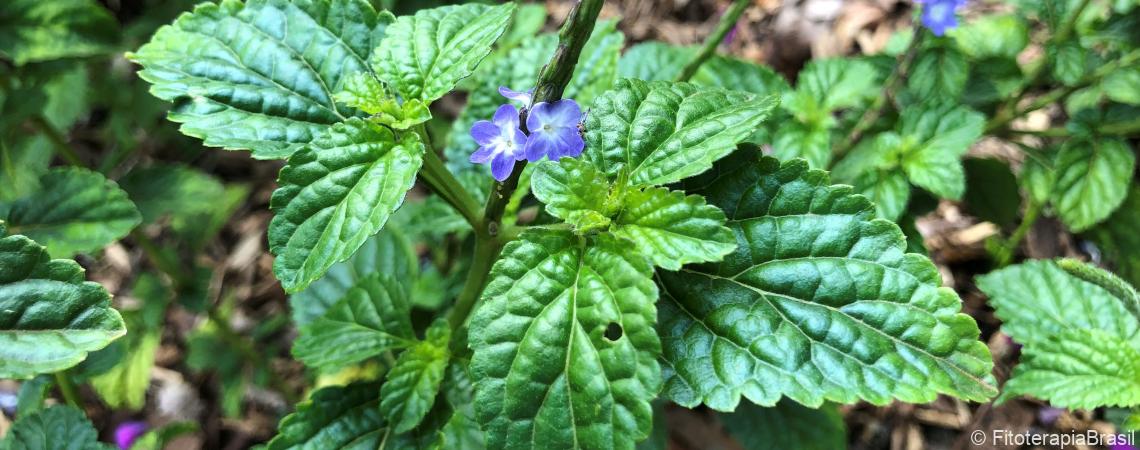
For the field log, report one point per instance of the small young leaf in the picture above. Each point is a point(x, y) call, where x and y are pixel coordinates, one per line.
point(942, 135)
point(364, 92)
point(1092, 178)
point(819, 303)
point(74, 211)
point(373, 317)
point(34, 31)
point(887, 188)
point(125, 385)
point(570, 186)
point(1070, 61)
point(388, 252)
point(55, 428)
point(1123, 85)
point(795, 139)
point(566, 328)
point(413, 382)
point(424, 56)
point(673, 229)
point(341, 417)
point(49, 317)
point(786, 425)
point(829, 84)
point(260, 75)
point(663, 132)
point(939, 72)
point(1001, 36)
point(336, 192)
point(1037, 300)
point(1079, 369)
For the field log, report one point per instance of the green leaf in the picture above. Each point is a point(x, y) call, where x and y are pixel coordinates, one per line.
point(1092, 178)
point(989, 36)
point(825, 85)
point(1070, 62)
point(1037, 301)
point(184, 195)
point(795, 139)
point(1106, 280)
point(786, 425)
point(49, 317)
point(364, 92)
point(413, 382)
point(529, 19)
point(570, 186)
point(260, 75)
point(1037, 178)
point(673, 229)
point(887, 188)
point(32, 394)
point(125, 385)
point(942, 135)
point(342, 417)
point(1079, 369)
point(336, 192)
point(1118, 239)
point(991, 191)
point(388, 252)
point(654, 61)
point(596, 70)
point(424, 56)
point(35, 31)
point(1123, 85)
point(565, 328)
point(23, 160)
point(55, 428)
point(939, 72)
point(740, 75)
point(661, 132)
point(819, 303)
point(74, 211)
point(373, 317)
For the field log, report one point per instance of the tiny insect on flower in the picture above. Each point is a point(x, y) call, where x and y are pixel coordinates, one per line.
point(554, 130)
point(939, 15)
point(500, 140)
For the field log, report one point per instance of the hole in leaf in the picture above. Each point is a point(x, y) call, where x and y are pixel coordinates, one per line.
point(613, 331)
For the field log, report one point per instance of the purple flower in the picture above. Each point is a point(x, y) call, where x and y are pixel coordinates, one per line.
point(1122, 446)
point(524, 97)
point(554, 130)
point(938, 15)
point(128, 432)
point(500, 142)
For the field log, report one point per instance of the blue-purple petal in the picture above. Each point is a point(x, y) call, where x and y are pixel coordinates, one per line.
point(501, 166)
point(524, 97)
point(128, 432)
point(484, 132)
point(483, 154)
point(506, 117)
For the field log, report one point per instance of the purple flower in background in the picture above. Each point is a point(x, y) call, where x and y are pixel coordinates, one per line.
point(554, 130)
point(500, 142)
point(128, 432)
point(1122, 447)
point(524, 97)
point(939, 16)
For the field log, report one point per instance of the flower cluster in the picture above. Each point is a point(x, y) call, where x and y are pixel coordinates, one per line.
point(939, 16)
point(552, 127)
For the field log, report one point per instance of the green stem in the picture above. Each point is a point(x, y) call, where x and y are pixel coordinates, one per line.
point(436, 175)
point(727, 21)
point(1005, 254)
point(58, 141)
point(552, 81)
point(873, 113)
point(67, 389)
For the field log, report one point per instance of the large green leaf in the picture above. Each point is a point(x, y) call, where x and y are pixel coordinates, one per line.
point(55, 428)
point(388, 252)
point(49, 317)
point(33, 30)
point(673, 229)
point(373, 316)
point(336, 192)
point(261, 75)
point(572, 190)
point(565, 355)
point(341, 417)
point(74, 211)
point(413, 382)
point(1079, 369)
point(661, 132)
point(819, 302)
point(1092, 178)
point(424, 56)
point(787, 425)
point(1037, 300)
